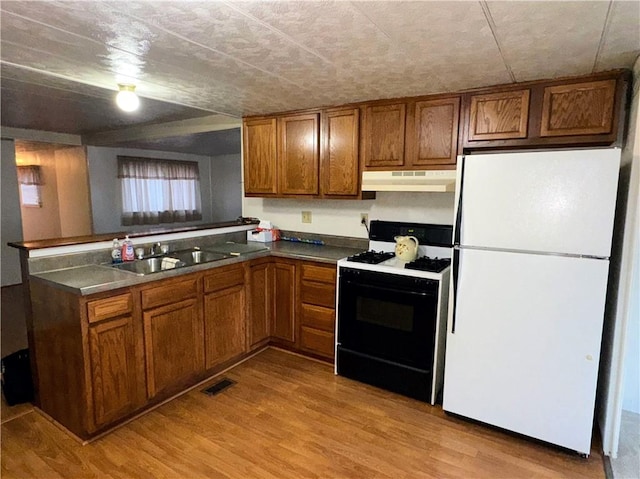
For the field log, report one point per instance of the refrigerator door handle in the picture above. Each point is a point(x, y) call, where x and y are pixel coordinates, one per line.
point(458, 216)
point(455, 268)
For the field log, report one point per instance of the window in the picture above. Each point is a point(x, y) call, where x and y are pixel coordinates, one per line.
point(159, 191)
point(30, 180)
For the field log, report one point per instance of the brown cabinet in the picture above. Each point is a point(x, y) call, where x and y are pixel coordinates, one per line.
point(340, 160)
point(224, 315)
point(117, 368)
point(432, 132)
point(260, 301)
point(316, 154)
point(414, 135)
point(550, 113)
point(383, 135)
point(260, 157)
point(498, 116)
point(173, 334)
point(174, 345)
point(578, 109)
point(116, 358)
point(317, 309)
point(284, 307)
point(298, 154)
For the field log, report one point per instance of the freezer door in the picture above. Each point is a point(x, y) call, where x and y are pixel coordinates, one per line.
point(559, 201)
point(525, 352)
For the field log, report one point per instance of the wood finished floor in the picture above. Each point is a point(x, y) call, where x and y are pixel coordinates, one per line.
point(287, 417)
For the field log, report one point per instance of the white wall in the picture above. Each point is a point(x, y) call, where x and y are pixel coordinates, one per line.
point(10, 215)
point(106, 200)
point(226, 187)
point(73, 191)
point(620, 317)
point(631, 381)
point(342, 217)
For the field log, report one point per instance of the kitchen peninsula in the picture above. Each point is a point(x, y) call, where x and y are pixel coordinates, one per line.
point(108, 344)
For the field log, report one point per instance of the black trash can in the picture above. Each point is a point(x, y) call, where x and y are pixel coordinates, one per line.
point(16, 378)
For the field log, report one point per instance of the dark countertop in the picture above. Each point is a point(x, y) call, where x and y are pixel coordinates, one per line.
point(95, 278)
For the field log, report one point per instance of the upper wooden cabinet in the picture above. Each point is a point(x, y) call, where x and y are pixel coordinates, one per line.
point(260, 155)
point(578, 109)
point(298, 154)
point(340, 164)
point(570, 112)
point(310, 154)
point(432, 132)
point(413, 135)
point(497, 116)
point(383, 135)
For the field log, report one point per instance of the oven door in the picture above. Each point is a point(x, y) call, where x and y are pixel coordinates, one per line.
point(388, 316)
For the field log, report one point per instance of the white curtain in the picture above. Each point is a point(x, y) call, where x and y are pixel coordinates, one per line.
point(30, 179)
point(159, 191)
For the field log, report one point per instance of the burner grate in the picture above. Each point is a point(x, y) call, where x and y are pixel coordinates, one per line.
point(434, 265)
point(371, 257)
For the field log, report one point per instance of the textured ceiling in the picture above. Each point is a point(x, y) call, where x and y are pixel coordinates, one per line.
point(248, 57)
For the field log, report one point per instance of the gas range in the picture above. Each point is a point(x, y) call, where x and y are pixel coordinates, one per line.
point(391, 317)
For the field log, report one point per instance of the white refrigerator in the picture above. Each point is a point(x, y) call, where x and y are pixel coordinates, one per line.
point(532, 239)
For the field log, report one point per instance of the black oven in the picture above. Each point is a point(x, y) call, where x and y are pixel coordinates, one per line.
point(386, 330)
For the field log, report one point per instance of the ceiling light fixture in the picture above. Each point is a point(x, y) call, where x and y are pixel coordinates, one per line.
point(126, 98)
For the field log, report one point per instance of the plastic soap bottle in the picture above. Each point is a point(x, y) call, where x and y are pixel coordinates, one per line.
point(128, 254)
point(116, 252)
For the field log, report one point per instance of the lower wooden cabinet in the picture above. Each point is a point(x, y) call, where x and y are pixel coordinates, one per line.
point(284, 305)
point(117, 368)
point(115, 354)
point(260, 301)
point(224, 325)
point(317, 309)
point(174, 345)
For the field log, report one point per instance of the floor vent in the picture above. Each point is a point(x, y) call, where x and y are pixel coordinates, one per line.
point(218, 387)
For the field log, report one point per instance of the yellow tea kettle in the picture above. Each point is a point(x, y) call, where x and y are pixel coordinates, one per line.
point(406, 247)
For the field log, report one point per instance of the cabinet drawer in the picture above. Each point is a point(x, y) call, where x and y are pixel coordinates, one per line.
point(320, 294)
point(316, 341)
point(109, 307)
point(318, 317)
point(322, 274)
point(169, 293)
point(223, 278)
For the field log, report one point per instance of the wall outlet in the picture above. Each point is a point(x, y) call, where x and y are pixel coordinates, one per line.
point(364, 219)
point(306, 216)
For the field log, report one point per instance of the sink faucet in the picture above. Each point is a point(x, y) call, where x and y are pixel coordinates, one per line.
point(155, 248)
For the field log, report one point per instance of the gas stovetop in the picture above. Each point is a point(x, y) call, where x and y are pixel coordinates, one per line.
point(424, 263)
point(434, 251)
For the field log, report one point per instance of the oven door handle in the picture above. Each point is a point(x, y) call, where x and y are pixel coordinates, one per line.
point(392, 290)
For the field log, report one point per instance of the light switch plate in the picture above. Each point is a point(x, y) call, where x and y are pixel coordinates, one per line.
point(306, 216)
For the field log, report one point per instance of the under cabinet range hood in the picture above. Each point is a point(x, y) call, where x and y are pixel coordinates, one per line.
point(438, 181)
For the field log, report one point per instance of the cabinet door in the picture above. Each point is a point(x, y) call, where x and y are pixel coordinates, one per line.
point(383, 135)
point(578, 109)
point(284, 309)
point(340, 167)
point(224, 325)
point(260, 281)
point(117, 368)
point(433, 137)
point(298, 154)
point(174, 344)
point(498, 116)
point(260, 157)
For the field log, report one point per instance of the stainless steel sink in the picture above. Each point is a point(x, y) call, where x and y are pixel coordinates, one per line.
point(141, 266)
point(196, 256)
point(187, 257)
